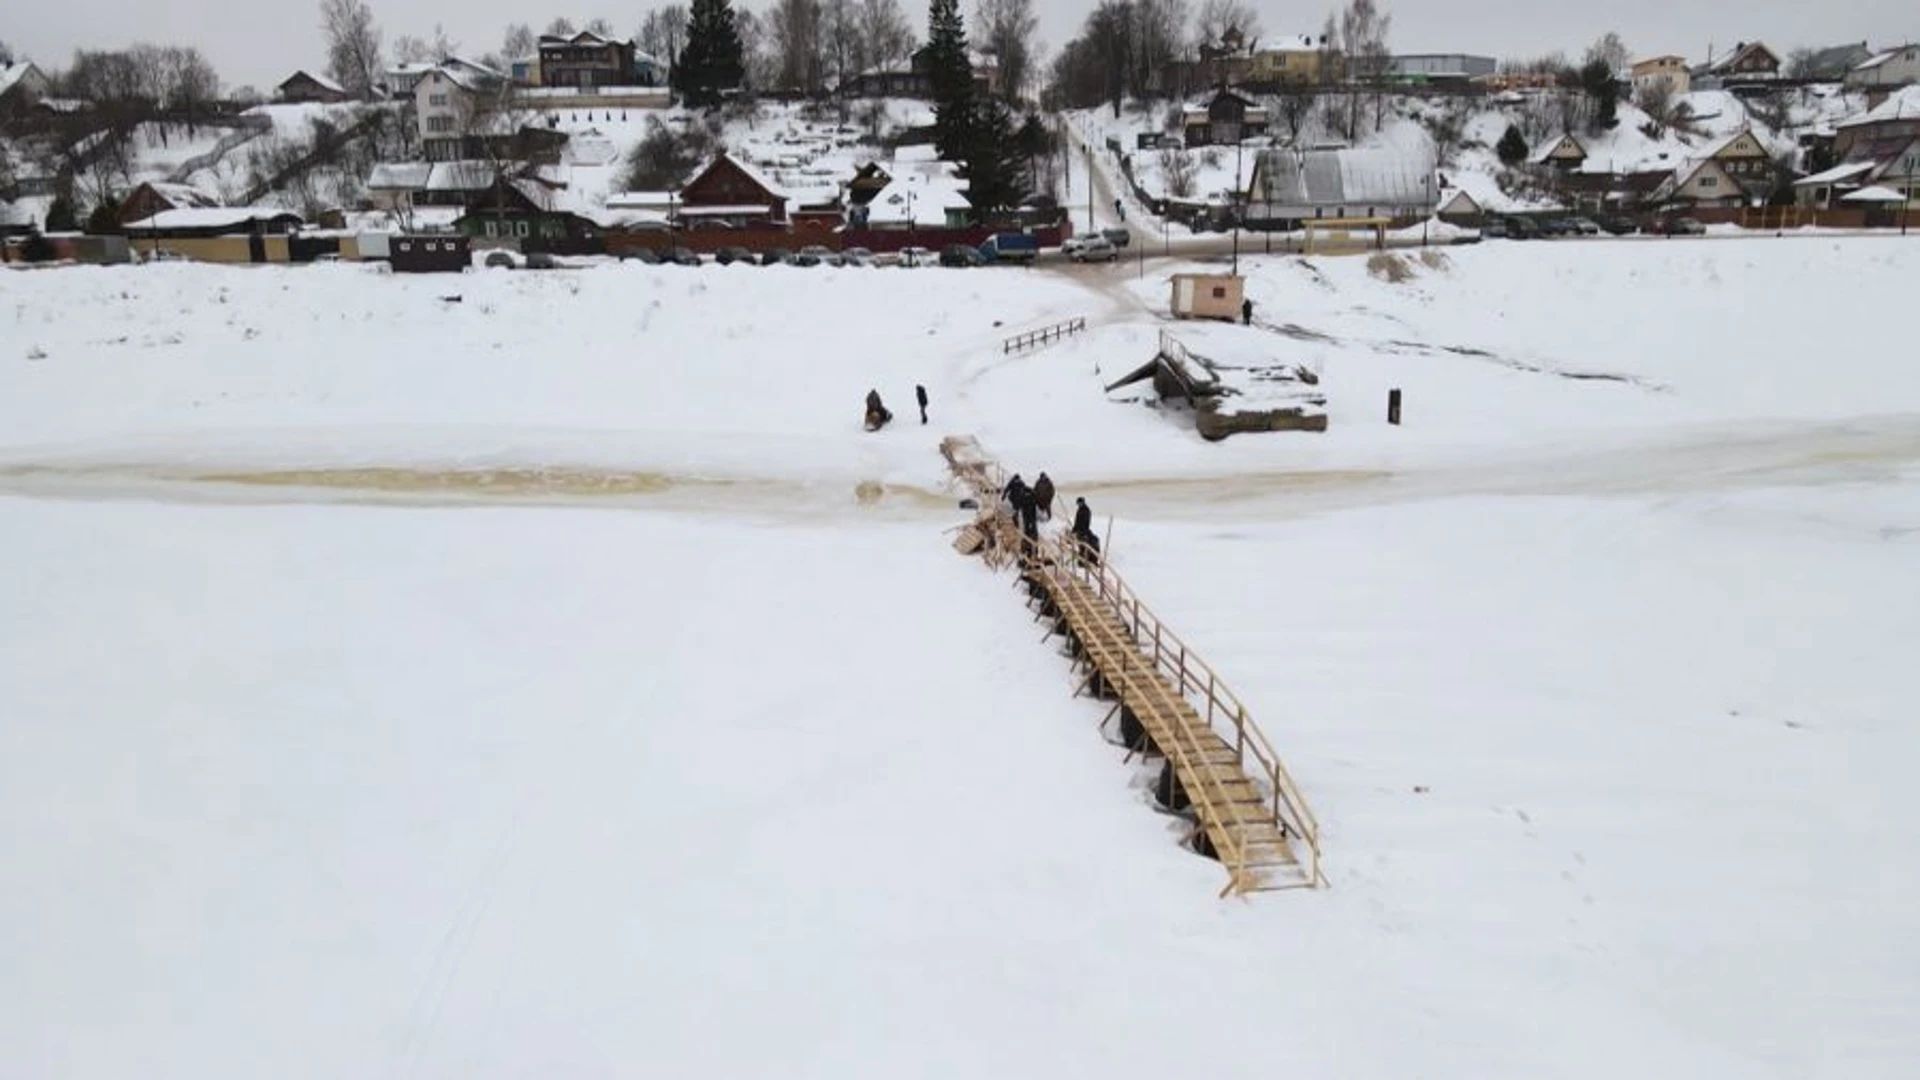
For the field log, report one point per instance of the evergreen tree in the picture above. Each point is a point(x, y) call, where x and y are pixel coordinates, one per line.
point(1603, 86)
point(37, 249)
point(105, 218)
point(951, 72)
point(1512, 147)
point(60, 216)
point(996, 167)
point(711, 63)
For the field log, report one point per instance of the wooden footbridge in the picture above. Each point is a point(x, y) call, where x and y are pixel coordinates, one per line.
point(1217, 766)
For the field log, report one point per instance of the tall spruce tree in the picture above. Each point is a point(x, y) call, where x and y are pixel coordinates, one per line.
point(996, 169)
point(951, 72)
point(711, 63)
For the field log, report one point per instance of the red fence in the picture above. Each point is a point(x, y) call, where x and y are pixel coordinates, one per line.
point(803, 234)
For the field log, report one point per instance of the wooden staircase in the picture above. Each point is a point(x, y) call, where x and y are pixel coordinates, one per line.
point(1245, 809)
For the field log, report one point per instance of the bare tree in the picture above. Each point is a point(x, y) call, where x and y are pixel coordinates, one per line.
point(1799, 64)
point(191, 83)
point(1159, 39)
point(884, 29)
point(1218, 18)
point(1552, 63)
point(1179, 172)
point(408, 49)
point(353, 44)
point(1004, 30)
point(796, 31)
point(1295, 104)
point(663, 31)
point(561, 26)
point(843, 48)
point(1363, 30)
point(1609, 50)
point(756, 48)
point(1655, 98)
point(519, 42)
point(598, 25)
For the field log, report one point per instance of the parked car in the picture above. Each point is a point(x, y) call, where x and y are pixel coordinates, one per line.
point(1495, 230)
point(857, 256)
point(1584, 226)
point(641, 255)
point(1519, 228)
point(1071, 246)
point(684, 257)
point(1555, 227)
point(1619, 225)
point(776, 257)
point(961, 255)
point(1117, 237)
point(500, 260)
point(1680, 226)
point(727, 256)
point(916, 256)
point(1096, 249)
point(539, 260)
point(817, 255)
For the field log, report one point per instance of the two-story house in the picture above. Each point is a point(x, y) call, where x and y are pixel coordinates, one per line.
point(1744, 160)
point(1224, 120)
point(1749, 62)
point(451, 102)
point(586, 60)
point(1291, 60)
point(1666, 74)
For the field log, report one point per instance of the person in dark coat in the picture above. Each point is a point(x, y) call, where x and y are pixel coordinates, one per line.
point(1082, 518)
point(921, 393)
point(877, 414)
point(1043, 496)
point(1246, 313)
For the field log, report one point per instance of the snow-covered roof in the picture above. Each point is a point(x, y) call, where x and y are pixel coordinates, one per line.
point(1875, 193)
point(584, 37)
point(320, 80)
point(1837, 174)
point(15, 214)
point(639, 200)
point(212, 217)
point(726, 210)
point(1876, 60)
point(460, 176)
point(1544, 152)
point(1342, 177)
point(183, 195)
point(1289, 43)
point(918, 199)
point(400, 175)
point(412, 67)
point(16, 73)
point(1902, 104)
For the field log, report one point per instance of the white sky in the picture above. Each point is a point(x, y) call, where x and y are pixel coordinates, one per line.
point(263, 41)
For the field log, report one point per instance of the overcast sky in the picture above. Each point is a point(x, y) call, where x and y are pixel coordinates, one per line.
point(262, 41)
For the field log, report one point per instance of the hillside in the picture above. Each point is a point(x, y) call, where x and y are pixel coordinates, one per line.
point(1459, 135)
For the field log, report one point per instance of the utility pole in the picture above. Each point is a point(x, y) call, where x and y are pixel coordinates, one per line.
point(1090, 227)
point(1906, 205)
point(1239, 202)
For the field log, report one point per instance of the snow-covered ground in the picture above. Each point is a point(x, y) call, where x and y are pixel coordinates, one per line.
point(397, 686)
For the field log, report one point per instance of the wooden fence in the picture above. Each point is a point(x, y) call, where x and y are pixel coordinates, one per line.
point(1043, 336)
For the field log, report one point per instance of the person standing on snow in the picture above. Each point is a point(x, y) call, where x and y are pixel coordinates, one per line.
point(1246, 313)
point(921, 393)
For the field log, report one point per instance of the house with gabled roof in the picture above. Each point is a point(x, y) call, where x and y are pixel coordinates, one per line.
point(1224, 120)
point(1743, 157)
point(154, 196)
point(1832, 63)
point(1881, 129)
point(1565, 153)
point(304, 87)
point(1667, 74)
point(1749, 61)
point(1703, 182)
point(1886, 69)
point(731, 192)
point(22, 86)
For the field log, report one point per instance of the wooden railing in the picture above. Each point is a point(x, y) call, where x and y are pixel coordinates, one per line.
point(1214, 700)
point(1043, 336)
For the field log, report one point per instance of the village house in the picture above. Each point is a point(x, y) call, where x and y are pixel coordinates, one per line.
point(1881, 131)
point(1749, 62)
point(1441, 68)
point(587, 60)
point(1290, 186)
point(306, 88)
point(913, 77)
point(1565, 154)
point(729, 192)
point(1290, 60)
point(22, 86)
point(1833, 63)
point(1702, 183)
point(1886, 70)
point(1227, 118)
point(1742, 157)
point(450, 102)
point(1668, 73)
point(154, 196)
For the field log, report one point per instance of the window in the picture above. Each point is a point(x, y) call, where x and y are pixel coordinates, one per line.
point(437, 99)
point(439, 123)
point(522, 228)
point(1708, 181)
point(1219, 292)
point(492, 229)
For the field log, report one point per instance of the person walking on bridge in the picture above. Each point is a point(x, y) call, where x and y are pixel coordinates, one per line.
point(1043, 496)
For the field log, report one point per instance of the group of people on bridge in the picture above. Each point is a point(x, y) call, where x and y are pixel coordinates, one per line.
point(1032, 503)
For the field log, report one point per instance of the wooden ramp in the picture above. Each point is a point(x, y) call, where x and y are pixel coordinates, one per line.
point(1218, 765)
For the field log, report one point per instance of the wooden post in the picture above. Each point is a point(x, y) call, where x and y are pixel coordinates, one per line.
point(1393, 406)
